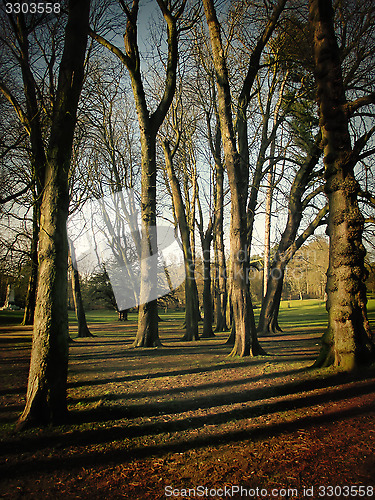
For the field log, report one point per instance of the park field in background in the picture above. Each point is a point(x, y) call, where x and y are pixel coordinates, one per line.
point(294, 314)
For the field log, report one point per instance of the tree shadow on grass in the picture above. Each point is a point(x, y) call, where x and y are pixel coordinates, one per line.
point(126, 454)
point(206, 402)
point(262, 402)
point(154, 393)
point(157, 374)
point(184, 390)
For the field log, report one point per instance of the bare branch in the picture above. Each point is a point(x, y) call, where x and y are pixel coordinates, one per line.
point(351, 107)
point(16, 105)
point(115, 50)
point(15, 195)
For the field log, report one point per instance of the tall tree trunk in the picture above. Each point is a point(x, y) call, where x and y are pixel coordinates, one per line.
point(270, 179)
point(83, 329)
point(148, 329)
point(46, 391)
point(206, 239)
point(191, 305)
point(237, 164)
point(219, 289)
point(191, 292)
point(149, 124)
point(229, 316)
point(207, 295)
point(221, 294)
point(240, 296)
point(28, 318)
point(348, 340)
point(267, 230)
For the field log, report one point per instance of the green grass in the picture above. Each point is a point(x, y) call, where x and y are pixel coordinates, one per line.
point(101, 316)
point(293, 314)
point(311, 312)
point(299, 314)
point(11, 318)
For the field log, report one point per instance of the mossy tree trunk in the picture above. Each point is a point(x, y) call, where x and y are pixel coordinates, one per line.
point(348, 341)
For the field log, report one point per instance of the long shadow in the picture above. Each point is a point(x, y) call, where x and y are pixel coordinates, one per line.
point(188, 371)
point(147, 353)
point(13, 390)
point(164, 373)
point(171, 373)
point(103, 458)
point(116, 433)
point(155, 352)
point(10, 408)
point(102, 414)
point(286, 336)
point(15, 340)
point(184, 390)
point(97, 342)
point(21, 360)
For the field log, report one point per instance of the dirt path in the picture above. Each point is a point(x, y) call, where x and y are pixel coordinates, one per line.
point(152, 424)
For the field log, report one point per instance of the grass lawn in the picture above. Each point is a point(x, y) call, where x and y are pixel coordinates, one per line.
point(293, 314)
point(147, 422)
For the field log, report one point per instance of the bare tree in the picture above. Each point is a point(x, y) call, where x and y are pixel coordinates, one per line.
point(236, 153)
point(203, 91)
point(191, 293)
point(206, 237)
point(149, 124)
point(299, 201)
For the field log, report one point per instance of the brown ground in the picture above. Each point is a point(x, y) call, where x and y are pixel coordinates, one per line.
point(186, 416)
